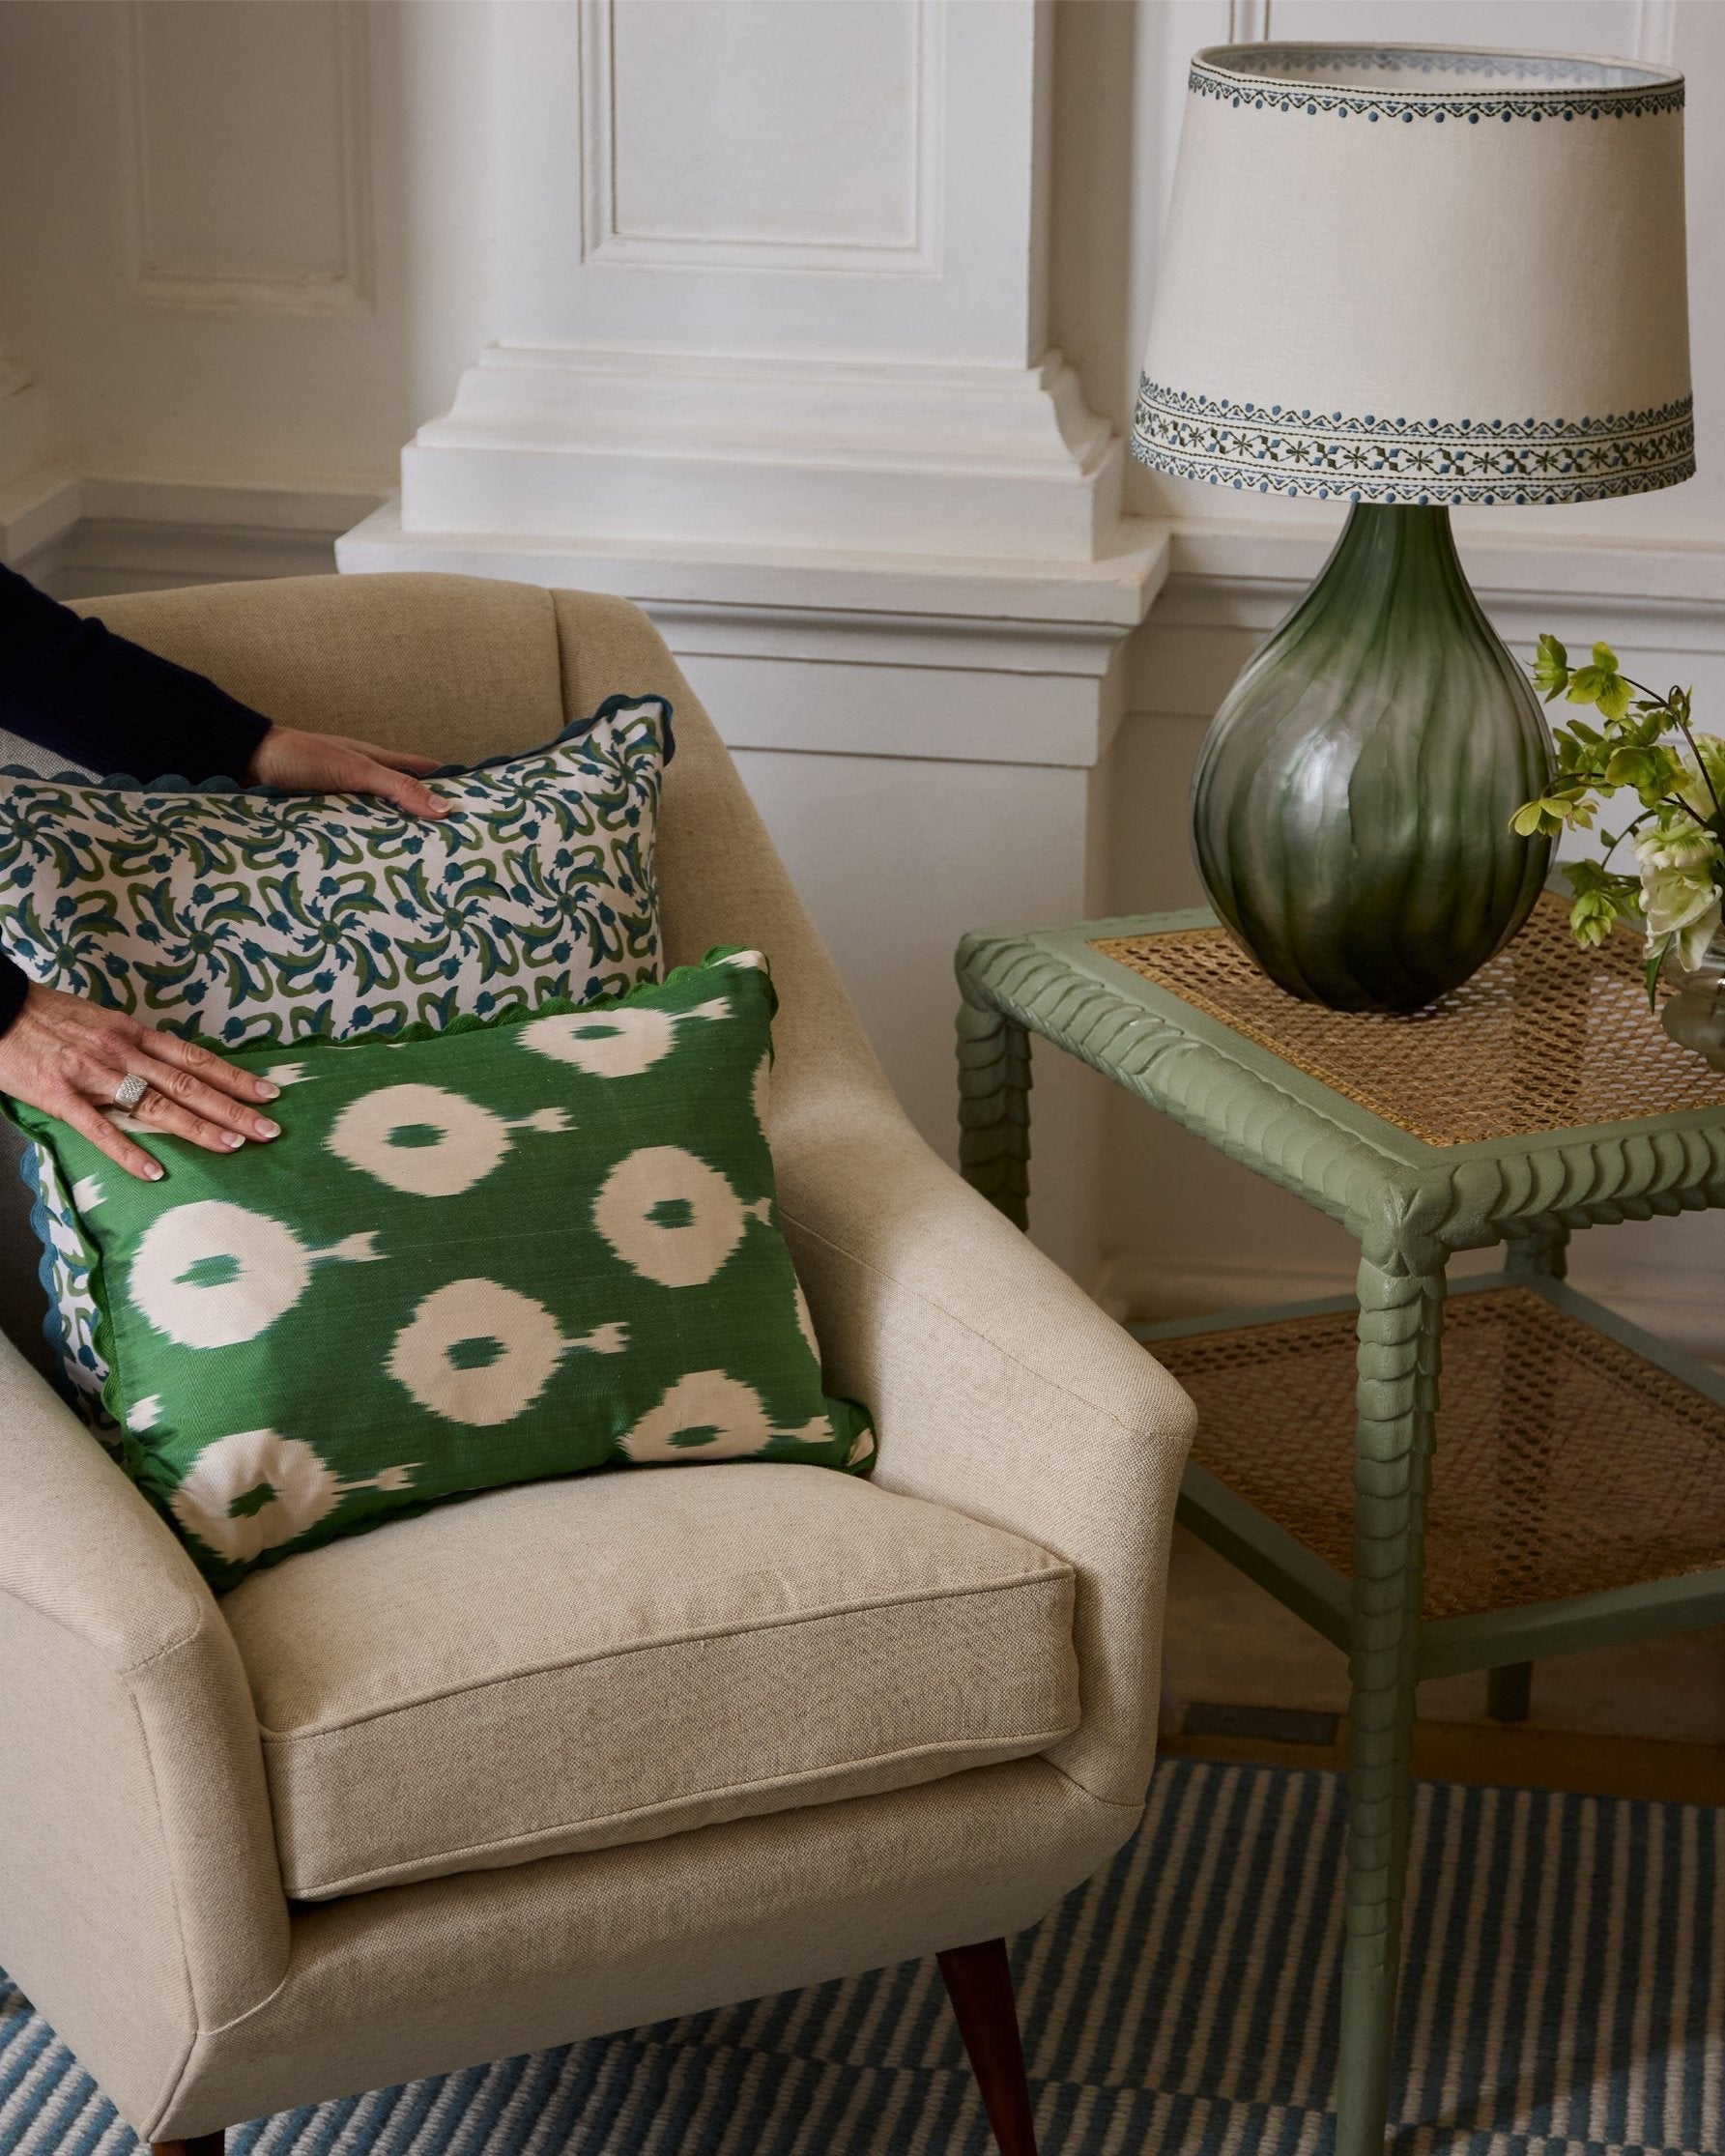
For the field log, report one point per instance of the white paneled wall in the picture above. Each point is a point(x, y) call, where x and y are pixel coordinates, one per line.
point(244, 249)
point(297, 235)
point(813, 324)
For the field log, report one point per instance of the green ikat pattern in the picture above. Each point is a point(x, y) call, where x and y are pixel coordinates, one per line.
point(513, 1249)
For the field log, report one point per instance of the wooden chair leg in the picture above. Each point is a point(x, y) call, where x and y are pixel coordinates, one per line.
point(200, 2144)
point(979, 1984)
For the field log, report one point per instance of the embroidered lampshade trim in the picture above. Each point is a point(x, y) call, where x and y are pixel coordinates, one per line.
point(1337, 456)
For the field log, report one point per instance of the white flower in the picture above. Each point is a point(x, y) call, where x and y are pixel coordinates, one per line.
point(1686, 848)
point(1679, 896)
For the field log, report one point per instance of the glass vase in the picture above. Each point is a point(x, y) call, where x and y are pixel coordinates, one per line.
point(1695, 1015)
point(1352, 801)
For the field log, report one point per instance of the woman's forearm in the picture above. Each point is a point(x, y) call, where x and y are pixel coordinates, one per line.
point(72, 685)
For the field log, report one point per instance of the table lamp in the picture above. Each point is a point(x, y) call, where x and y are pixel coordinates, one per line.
point(1402, 276)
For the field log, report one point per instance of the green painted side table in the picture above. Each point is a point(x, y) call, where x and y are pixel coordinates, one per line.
point(1577, 1495)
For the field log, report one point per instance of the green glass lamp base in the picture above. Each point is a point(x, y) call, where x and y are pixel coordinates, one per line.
point(1352, 799)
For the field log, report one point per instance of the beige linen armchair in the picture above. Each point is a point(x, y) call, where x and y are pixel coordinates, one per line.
point(583, 1754)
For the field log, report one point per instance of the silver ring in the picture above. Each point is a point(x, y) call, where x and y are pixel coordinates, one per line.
point(130, 1091)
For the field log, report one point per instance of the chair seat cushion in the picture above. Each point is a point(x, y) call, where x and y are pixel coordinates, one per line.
point(573, 1664)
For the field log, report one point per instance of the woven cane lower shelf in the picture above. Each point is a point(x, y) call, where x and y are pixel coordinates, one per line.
point(1545, 1037)
point(1566, 1464)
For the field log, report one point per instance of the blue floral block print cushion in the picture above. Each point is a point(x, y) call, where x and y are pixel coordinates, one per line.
point(253, 919)
point(502, 1251)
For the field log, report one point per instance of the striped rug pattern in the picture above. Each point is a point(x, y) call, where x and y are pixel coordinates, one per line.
point(1565, 1992)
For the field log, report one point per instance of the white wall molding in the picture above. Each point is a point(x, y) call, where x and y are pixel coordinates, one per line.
point(818, 320)
point(1209, 591)
point(1248, 21)
point(23, 422)
point(1680, 1305)
point(864, 456)
point(1655, 32)
point(960, 660)
point(1497, 557)
point(863, 178)
point(82, 535)
point(165, 269)
point(906, 243)
point(1229, 583)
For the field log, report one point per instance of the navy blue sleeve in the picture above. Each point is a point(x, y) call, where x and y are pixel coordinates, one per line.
point(97, 699)
point(15, 986)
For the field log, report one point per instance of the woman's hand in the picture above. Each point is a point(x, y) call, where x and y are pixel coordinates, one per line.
point(67, 1058)
point(332, 763)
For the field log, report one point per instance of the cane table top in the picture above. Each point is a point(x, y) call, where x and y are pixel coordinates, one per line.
point(1544, 1037)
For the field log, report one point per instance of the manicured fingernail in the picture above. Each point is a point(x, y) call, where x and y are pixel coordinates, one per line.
point(268, 1092)
point(231, 1139)
point(156, 1171)
point(265, 1128)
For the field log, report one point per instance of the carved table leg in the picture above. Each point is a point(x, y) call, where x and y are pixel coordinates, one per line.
point(1545, 1255)
point(1509, 1690)
point(994, 1108)
point(1401, 1315)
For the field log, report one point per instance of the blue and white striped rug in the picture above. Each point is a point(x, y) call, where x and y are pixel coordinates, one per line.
point(1565, 1992)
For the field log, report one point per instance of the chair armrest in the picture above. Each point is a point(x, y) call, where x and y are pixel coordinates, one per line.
point(998, 1388)
point(140, 1895)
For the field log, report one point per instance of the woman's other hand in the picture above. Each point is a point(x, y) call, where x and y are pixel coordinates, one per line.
point(331, 764)
point(69, 1058)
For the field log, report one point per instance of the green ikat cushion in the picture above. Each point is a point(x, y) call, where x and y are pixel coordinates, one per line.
point(517, 1249)
point(250, 917)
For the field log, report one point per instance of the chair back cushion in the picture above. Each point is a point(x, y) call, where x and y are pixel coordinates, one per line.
point(459, 668)
point(581, 1664)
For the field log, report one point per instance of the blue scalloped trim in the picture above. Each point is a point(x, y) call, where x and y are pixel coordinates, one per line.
point(175, 781)
point(52, 1330)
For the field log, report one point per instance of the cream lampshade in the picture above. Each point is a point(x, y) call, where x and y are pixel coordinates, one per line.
point(1404, 276)
point(1398, 273)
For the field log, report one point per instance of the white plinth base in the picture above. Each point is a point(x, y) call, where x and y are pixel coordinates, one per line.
point(626, 446)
